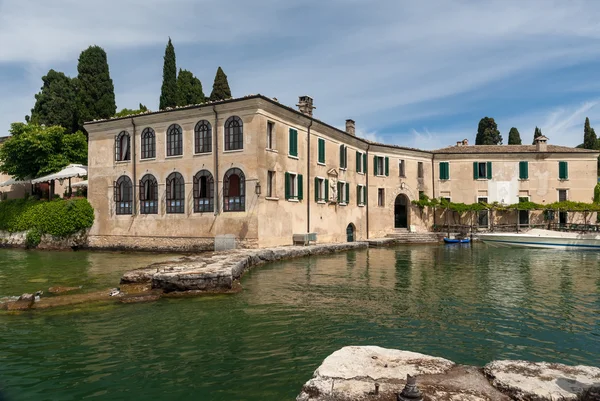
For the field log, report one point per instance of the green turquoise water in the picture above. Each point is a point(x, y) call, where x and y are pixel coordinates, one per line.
point(469, 304)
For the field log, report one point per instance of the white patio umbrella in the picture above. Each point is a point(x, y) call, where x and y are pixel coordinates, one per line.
point(80, 184)
point(13, 181)
point(72, 170)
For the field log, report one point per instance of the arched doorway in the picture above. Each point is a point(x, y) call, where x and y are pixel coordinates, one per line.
point(401, 211)
point(350, 231)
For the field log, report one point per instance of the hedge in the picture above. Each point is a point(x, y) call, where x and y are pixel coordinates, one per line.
point(59, 217)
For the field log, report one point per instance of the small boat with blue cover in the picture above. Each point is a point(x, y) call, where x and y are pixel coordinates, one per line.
point(457, 240)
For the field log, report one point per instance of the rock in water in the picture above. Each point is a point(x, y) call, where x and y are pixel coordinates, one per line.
point(25, 301)
point(542, 381)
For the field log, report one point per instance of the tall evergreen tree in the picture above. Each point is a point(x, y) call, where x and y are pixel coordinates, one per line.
point(56, 103)
point(95, 89)
point(220, 89)
point(168, 91)
point(189, 89)
point(487, 132)
point(536, 133)
point(590, 141)
point(514, 138)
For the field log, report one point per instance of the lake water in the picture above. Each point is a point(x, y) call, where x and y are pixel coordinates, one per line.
point(468, 304)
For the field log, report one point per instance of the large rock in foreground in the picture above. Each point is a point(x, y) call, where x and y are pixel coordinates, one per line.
point(531, 381)
point(351, 373)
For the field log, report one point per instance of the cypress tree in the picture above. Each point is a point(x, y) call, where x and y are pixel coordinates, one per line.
point(590, 141)
point(514, 138)
point(168, 91)
point(189, 89)
point(220, 89)
point(56, 103)
point(95, 92)
point(487, 132)
point(536, 133)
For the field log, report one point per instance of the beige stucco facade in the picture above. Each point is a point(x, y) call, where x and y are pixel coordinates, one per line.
point(275, 208)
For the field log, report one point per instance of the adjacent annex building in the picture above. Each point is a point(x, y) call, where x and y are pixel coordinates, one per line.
point(262, 172)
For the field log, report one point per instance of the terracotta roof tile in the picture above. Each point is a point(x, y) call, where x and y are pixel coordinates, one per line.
point(473, 149)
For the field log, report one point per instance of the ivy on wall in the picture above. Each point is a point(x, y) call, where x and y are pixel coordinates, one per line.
point(59, 217)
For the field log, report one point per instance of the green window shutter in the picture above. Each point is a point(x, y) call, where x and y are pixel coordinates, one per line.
point(523, 170)
point(563, 170)
point(447, 168)
point(374, 165)
point(475, 171)
point(387, 166)
point(358, 160)
point(326, 189)
point(293, 142)
point(566, 170)
point(321, 150)
point(365, 194)
point(300, 187)
point(358, 193)
point(342, 156)
point(442, 172)
point(364, 162)
point(489, 170)
point(287, 185)
point(316, 189)
point(347, 193)
point(339, 192)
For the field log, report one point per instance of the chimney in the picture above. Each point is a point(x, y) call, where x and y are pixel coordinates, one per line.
point(305, 105)
point(351, 127)
point(458, 143)
point(541, 144)
point(465, 142)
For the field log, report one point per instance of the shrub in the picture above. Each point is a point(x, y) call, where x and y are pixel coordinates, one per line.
point(59, 218)
point(33, 238)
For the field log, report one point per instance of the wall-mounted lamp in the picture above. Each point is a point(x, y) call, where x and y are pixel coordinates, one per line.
point(257, 188)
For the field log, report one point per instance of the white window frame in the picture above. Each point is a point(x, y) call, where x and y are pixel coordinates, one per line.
point(319, 139)
point(271, 184)
point(321, 190)
point(558, 194)
point(420, 170)
point(381, 197)
point(361, 159)
point(484, 177)
point(343, 200)
point(381, 172)
point(293, 186)
point(345, 149)
point(361, 195)
point(487, 211)
point(270, 135)
point(402, 168)
point(291, 156)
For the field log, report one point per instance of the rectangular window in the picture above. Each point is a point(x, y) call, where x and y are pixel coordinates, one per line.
point(321, 146)
point(270, 133)
point(293, 186)
point(321, 189)
point(270, 184)
point(343, 157)
point(483, 216)
point(343, 193)
point(420, 170)
point(444, 170)
point(293, 143)
point(523, 170)
point(482, 170)
point(359, 162)
point(563, 171)
point(447, 199)
point(361, 195)
point(562, 195)
point(380, 197)
point(402, 168)
point(381, 165)
point(523, 218)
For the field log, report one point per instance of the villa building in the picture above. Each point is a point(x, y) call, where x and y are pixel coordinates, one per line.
point(262, 172)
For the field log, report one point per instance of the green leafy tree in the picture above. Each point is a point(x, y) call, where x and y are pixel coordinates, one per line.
point(96, 92)
point(514, 138)
point(189, 89)
point(168, 91)
point(487, 132)
point(537, 132)
point(34, 150)
point(56, 103)
point(590, 141)
point(220, 89)
point(130, 112)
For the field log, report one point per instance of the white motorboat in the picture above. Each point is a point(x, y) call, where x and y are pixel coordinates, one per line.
point(537, 238)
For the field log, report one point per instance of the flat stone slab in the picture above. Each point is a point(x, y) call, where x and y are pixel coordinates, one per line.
point(541, 381)
point(218, 271)
point(350, 374)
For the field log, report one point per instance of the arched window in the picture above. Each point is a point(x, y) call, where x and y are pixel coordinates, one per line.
point(148, 143)
point(148, 195)
point(122, 148)
point(204, 190)
point(203, 137)
point(175, 193)
point(123, 195)
point(174, 140)
point(234, 191)
point(234, 133)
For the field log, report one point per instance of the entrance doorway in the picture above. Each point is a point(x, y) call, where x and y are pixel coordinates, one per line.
point(350, 231)
point(401, 211)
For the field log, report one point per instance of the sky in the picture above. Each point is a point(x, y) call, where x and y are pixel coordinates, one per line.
point(412, 73)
